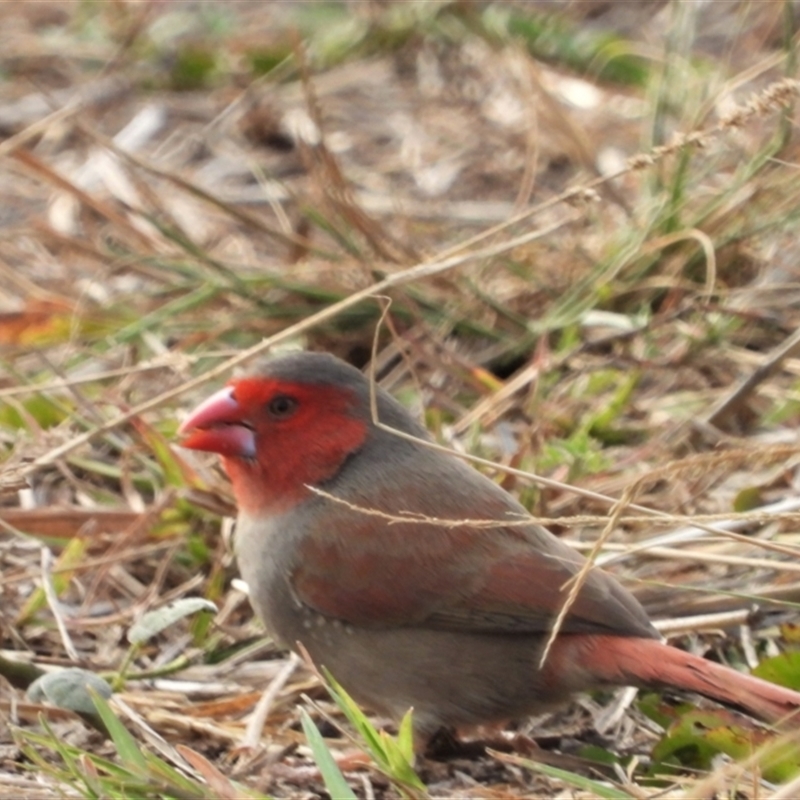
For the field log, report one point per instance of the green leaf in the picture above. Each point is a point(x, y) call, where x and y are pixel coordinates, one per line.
point(595, 788)
point(653, 706)
point(698, 736)
point(335, 783)
point(38, 408)
point(400, 768)
point(153, 622)
point(405, 737)
point(127, 747)
point(747, 499)
point(67, 753)
point(357, 719)
point(177, 781)
point(778, 759)
point(394, 757)
point(783, 669)
point(591, 752)
point(71, 688)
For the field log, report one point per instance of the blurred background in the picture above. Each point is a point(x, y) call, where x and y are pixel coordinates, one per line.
point(610, 192)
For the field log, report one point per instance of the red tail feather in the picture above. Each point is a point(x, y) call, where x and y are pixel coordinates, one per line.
point(618, 661)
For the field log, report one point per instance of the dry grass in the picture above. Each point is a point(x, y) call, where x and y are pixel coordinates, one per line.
point(586, 231)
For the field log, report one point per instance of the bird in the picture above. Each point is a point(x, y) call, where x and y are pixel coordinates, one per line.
point(416, 580)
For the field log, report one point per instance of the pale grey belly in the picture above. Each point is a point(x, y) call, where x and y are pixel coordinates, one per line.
point(450, 678)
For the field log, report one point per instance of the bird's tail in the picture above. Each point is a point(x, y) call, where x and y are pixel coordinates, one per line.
point(621, 661)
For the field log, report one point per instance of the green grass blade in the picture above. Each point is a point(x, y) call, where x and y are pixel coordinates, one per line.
point(126, 745)
point(595, 788)
point(337, 786)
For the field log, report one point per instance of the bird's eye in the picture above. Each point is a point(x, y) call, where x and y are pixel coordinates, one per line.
point(282, 406)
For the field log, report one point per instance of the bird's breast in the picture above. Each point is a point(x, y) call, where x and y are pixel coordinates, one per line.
point(265, 548)
point(266, 551)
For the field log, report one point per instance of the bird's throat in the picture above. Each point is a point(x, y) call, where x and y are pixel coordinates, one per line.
point(276, 487)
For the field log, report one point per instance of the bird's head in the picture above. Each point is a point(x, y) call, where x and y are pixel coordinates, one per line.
point(293, 422)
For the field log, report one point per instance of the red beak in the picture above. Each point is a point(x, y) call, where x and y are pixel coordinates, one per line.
point(218, 425)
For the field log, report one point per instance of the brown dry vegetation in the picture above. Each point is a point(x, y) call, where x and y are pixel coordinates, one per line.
point(585, 223)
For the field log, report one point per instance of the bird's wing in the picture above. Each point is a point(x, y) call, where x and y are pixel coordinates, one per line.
point(366, 570)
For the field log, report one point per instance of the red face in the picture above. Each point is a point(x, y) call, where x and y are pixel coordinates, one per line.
point(276, 437)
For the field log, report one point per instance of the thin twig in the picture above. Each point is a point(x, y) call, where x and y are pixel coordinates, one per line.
point(55, 605)
point(728, 404)
point(703, 622)
point(255, 726)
